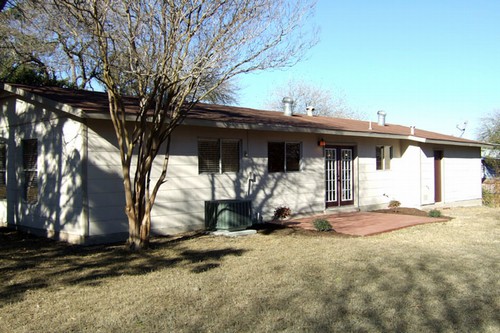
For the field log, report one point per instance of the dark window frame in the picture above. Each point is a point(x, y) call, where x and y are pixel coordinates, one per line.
point(383, 157)
point(284, 156)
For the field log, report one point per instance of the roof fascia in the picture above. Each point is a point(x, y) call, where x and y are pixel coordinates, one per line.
point(262, 127)
point(43, 101)
point(277, 128)
point(458, 143)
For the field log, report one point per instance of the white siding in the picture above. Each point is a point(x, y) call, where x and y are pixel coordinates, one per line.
point(180, 202)
point(461, 174)
point(59, 210)
point(409, 175)
point(105, 183)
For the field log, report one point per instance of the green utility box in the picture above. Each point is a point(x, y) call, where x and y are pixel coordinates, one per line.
point(229, 215)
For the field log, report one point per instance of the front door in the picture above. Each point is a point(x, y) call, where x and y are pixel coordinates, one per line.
point(339, 180)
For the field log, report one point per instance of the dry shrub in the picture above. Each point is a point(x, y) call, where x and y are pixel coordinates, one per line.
point(491, 192)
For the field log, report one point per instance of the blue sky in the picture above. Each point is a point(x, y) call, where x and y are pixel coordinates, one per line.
point(431, 64)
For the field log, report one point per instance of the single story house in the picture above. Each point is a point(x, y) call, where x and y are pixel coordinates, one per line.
point(60, 171)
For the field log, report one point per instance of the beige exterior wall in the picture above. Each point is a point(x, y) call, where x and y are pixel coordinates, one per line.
point(462, 175)
point(80, 200)
point(180, 202)
point(59, 210)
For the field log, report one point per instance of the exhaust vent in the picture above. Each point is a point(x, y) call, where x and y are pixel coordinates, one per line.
point(310, 110)
point(381, 118)
point(287, 105)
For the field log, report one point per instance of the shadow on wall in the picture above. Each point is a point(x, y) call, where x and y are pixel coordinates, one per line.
point(61, 170)
point(59, 185)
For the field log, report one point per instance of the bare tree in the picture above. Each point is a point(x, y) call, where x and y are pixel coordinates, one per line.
point(489, 131)
point(307, 94)
point(173, 54)
point(33, 35)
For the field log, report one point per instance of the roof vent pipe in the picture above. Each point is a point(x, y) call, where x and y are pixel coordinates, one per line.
point(287, 105)
point(381, 118)
point(310, 110)
point(412, 130)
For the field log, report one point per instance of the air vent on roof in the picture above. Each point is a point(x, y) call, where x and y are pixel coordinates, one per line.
point(381, 118)
point(310, 110)
point(287, 106)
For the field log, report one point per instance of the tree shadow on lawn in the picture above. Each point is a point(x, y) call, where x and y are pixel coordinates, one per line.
point(28, 262)
point(408, 294)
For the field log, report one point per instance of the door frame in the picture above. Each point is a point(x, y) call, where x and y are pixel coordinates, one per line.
point(438, 175)
point(339, 173)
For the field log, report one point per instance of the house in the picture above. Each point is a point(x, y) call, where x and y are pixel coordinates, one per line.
point(60, 169)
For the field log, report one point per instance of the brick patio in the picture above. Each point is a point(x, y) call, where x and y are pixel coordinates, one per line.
point(364, 223)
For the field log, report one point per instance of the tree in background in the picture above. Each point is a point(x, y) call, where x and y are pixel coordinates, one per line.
point(306, 94)
point(36, 40)
point(170, 54)
point(489, 131)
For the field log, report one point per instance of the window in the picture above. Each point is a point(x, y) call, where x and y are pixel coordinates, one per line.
point(383, 156)
point(3, 170)
point(30, 170)
point(218, 156)
point(283, 156)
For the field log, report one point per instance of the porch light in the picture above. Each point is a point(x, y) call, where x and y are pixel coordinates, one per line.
point(321, 142)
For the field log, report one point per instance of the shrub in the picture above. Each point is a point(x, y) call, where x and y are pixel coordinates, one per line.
point(435, 213)
point(394, 204)
point(322, 225)
point(491, 193)
point(282, 212)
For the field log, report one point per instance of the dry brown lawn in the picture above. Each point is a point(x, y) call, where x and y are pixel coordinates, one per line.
point(439, 277)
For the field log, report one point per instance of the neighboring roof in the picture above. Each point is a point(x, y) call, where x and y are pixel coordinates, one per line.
point(90, 104)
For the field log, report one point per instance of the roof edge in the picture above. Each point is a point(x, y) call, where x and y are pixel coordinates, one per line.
point(43, 100)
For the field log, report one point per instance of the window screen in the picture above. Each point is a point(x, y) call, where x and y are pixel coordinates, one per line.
point(379, 156)
point(218, 156)
point(30, 169)
point(230, 156)
point(383, 156)
point(292, 156)
point(275, 156)
point(283, 156)
point(208, 156)
point(3, 170)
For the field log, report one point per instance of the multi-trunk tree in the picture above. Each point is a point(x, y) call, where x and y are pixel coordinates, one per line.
point(171, 54)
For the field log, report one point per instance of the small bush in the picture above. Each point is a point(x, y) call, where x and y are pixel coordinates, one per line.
point(282, 212)
point(322, 225)
point(491, 193)
point(394, 204)
point(435, 213)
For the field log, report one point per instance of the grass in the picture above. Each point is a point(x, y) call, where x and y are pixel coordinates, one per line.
point(440, 277)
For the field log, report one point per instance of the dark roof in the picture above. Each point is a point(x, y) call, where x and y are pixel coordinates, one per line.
point(96, 103)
